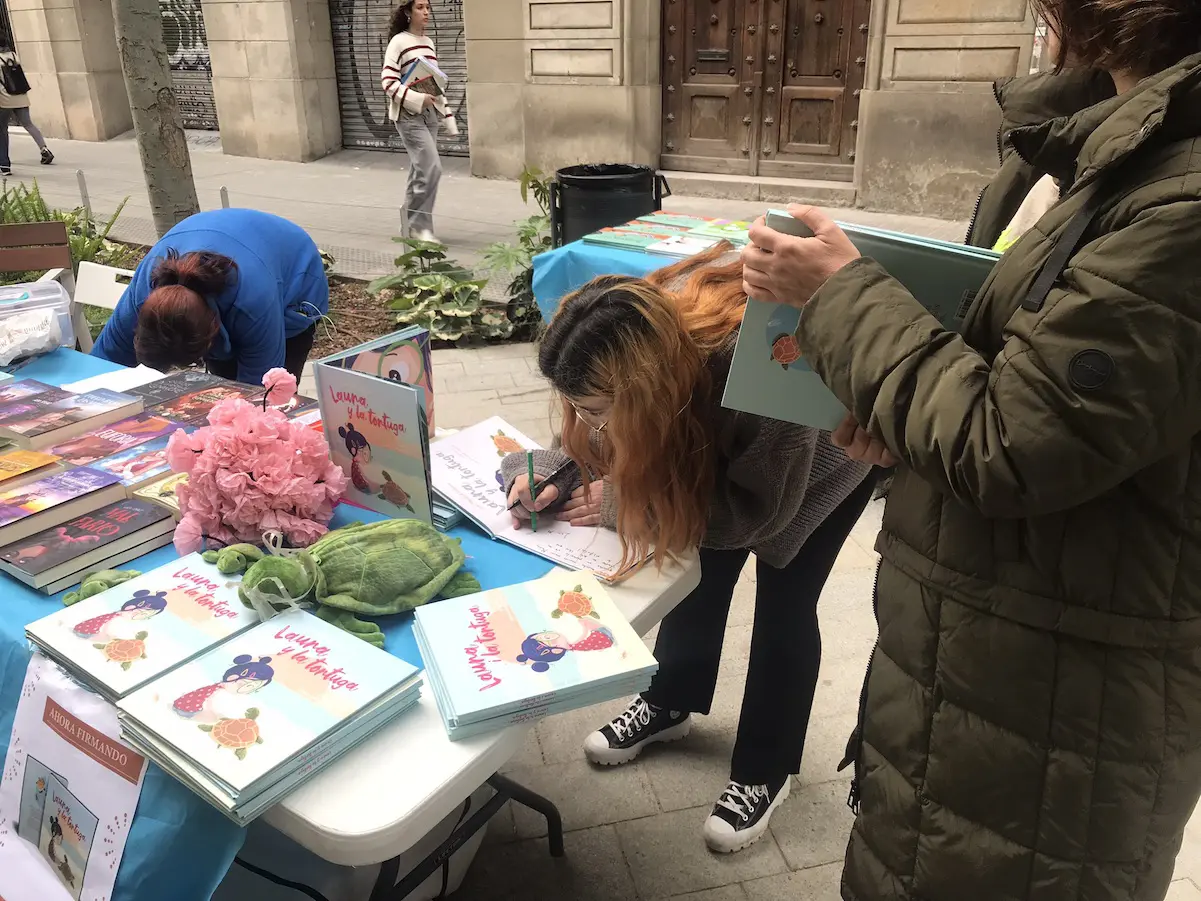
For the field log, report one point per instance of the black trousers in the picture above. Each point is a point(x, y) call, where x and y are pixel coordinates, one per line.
point(786, 646)
point(296, 354)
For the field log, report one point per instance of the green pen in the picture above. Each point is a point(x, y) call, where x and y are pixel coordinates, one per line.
point(529, 462)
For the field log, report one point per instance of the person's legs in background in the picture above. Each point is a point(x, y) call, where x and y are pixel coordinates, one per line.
point(6, 166)
point(25, 120)
point(420, 137)
point(297, 350)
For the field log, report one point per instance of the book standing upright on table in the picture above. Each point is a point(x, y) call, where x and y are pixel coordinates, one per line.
point(377, 405)
point(768, 375)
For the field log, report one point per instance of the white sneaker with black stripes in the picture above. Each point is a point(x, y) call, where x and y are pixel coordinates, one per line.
point(741, 815)
point(623, 737)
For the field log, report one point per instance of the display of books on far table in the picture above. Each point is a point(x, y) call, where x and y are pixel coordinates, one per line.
point(52, 417)
point(254, 717)
point(514, 655)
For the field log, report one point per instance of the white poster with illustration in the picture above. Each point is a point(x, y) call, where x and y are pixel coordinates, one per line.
point(67, 794)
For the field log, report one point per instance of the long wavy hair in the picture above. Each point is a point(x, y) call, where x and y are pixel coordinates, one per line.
point(644, 344)
point(401, 18)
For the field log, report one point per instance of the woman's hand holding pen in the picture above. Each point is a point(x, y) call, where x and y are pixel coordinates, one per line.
point(521, 502)
point(582, 508)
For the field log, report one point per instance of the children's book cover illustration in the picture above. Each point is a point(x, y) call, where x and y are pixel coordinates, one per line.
point(68, 831)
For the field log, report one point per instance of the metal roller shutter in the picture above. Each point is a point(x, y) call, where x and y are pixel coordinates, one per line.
point(191, 71)
point(360, 29)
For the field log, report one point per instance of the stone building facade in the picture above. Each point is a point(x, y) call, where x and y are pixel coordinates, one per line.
point(884, 103)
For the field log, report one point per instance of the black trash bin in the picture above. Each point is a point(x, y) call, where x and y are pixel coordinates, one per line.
point(592, 196)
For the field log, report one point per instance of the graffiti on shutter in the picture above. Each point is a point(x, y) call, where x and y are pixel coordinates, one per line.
point(360, 32)
point(191, 70)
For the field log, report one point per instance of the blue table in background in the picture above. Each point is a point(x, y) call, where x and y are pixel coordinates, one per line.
point(179, 847)
point(563, 270)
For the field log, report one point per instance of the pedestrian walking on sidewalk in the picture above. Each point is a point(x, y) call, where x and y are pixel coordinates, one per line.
point(418, 114)
point(640, 366)
point(1031, 718)
point(14, 104)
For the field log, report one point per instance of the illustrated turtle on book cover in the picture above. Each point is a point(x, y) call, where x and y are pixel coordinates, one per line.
point(117, 648)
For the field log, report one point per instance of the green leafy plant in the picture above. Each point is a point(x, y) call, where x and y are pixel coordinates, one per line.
point(440, 295)
point(516, 261)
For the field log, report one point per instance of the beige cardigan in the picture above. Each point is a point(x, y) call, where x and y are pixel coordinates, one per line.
point(7, 100)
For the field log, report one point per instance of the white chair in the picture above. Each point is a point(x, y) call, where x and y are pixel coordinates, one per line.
point(96, 286)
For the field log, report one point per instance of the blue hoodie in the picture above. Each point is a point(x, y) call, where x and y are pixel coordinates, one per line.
point(280, 289)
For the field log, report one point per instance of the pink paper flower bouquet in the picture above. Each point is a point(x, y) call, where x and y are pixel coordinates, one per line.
point(251, 471)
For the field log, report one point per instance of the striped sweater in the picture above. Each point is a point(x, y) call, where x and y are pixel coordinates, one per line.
point(402, 50)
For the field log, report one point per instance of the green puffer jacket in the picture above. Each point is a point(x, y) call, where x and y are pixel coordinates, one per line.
point(1032, 714)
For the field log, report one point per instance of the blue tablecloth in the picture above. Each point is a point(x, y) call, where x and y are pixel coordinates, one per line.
point(179, 847)
point(560, 271)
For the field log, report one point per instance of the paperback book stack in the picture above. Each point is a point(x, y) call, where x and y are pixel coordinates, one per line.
point(514, 655)
point(256, 716)
point(60, 557)
point(51, 416)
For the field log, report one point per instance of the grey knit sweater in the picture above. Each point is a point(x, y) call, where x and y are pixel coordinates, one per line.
point(775, 483)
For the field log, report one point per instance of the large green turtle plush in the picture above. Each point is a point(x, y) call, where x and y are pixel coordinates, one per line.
point(374, 569)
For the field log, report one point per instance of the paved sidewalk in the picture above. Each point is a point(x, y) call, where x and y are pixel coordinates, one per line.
point(634, 831)
point(350, 201)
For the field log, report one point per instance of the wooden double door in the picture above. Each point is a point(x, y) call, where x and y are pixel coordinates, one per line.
point(763, 87)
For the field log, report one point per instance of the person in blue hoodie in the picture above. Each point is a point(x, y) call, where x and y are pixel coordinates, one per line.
point(240, 290)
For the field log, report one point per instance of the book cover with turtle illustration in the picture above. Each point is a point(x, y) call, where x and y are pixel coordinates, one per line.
point(85, 542)
point(769, 377)
point(465, 468)
point(378, 433)
point(68, 830)
point(554, 640)
point(265, 703)
point(35, 788)
point(117, 437)
point(122, 638)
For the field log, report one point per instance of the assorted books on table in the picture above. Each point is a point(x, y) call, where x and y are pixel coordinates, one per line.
point(671, 234)
point(514, 655)
point(768, 375)
point(241, 711)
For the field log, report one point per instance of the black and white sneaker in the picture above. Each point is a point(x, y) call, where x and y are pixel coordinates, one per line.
point(623, 738)
point(741, 815)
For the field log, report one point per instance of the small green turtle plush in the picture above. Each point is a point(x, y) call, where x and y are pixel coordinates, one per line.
point(97, 582)
point(373, 569)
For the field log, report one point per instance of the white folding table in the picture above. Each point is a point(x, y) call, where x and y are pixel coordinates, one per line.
point(412, 776)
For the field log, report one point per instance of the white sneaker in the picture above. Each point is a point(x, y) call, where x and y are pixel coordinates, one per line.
point(424, 234)
point(624, 737)
point(741, 815)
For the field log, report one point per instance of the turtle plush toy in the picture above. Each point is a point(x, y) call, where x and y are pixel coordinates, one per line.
point(373, 569)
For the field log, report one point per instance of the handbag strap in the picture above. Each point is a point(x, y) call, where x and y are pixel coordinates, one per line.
point(1065, 246)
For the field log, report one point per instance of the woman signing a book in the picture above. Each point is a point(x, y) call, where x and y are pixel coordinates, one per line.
point(418, 109)
point(1030, 724)
point(240, 290)
point(640, 366)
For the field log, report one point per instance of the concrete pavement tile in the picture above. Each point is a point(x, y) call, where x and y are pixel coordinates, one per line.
point(725, 893)
point(817, 884)
point(742, 607)
point(501, 829)
point(528, 755)
point(692, 772)
point(868, 527)
point(586, 796)
point(667, 855)
point(526, 395)
point(838, 686)
point(1183, 890)
point(853, 555)
point(592, 870)
point(1188, 860)
point(735, 654)
point(454, 383)
point(825, 746)
point(811, 827)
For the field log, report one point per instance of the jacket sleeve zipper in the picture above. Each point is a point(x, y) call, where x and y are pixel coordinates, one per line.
point(854, 752)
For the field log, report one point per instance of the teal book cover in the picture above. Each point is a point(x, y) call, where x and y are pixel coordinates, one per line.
point(256, 702)
point(501, 650)
point(126, 636)
point(769, 377)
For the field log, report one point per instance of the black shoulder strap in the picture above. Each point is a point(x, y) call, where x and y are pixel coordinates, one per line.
point(1064, 247)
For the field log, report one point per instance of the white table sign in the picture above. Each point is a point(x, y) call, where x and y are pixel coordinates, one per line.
point(67, 794)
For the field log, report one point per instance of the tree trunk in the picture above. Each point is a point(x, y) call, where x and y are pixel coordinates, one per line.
point(166, 164)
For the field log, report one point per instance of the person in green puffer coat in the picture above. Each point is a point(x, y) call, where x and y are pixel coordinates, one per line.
point(1031, 719)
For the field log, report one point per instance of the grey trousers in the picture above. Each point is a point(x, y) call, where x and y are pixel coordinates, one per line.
point(420, 137)
point(21, 114)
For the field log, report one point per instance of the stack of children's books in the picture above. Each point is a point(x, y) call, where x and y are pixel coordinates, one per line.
point(465, 469)
point(513, 655)
point(258, 715)
point(671, 234)
point(182, 656)
point(59, 557)
point(377, 406)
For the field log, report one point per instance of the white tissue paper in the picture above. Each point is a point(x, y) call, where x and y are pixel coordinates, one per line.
point(29, 333)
